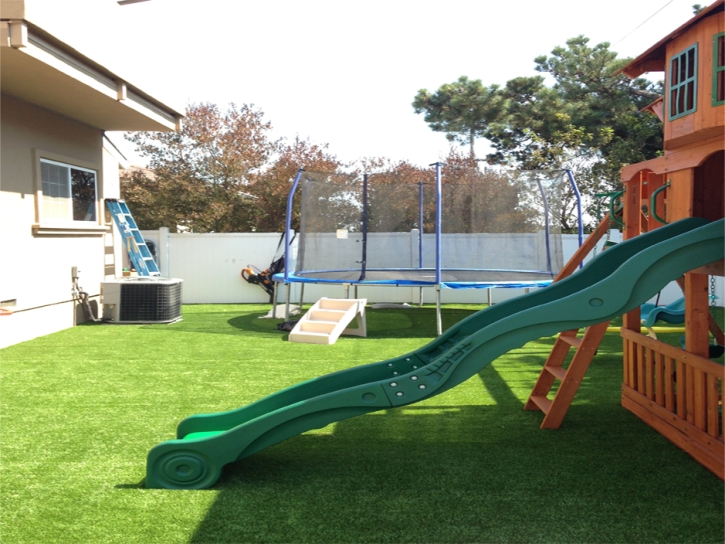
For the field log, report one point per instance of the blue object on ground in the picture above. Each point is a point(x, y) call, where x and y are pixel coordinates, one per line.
point(673, 313)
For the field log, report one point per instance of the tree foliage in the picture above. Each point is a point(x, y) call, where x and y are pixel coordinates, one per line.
point(579, 114)
point(463, 109)
point(590, 109)
point(220, 173)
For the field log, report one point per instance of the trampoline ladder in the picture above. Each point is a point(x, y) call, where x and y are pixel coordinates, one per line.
point(133, 241)
point(586, 347)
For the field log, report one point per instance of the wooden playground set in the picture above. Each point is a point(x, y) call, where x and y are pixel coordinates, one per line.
point(676, 391)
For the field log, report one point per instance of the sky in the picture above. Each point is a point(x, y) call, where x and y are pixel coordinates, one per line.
point(344, 73)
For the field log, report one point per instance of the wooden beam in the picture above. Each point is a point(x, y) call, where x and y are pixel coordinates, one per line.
point(585, 248)
point(689, 156)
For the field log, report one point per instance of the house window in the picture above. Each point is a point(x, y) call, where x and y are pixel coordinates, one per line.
point(68, 192)
point(683, 83)
point(718, 69)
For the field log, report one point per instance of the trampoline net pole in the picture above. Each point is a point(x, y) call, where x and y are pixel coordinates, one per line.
point(274, 299)
point(364, 256)
point(420, 226)
point(439, 203)
point(439, 322)
point(288, 286)
point(547, 228)
point(288, 222)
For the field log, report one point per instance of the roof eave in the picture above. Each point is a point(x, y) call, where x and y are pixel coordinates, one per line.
point(653, 60)
point(42, 70)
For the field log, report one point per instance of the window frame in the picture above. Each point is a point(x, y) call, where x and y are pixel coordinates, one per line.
point(717, 69)
point(48, 225)
point(680, 85)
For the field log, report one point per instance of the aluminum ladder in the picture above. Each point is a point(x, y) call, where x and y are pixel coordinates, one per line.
point(134, 243)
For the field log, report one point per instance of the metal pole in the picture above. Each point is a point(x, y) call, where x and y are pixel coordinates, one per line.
point(490, 296)
point(286, 301)
point(578, 208)
point(302, 294)
point(288, 225)
point(546, 225)
point(274, 299)
point(420, 225)
point(439, 198)
point(364, 228)
point(439, 322)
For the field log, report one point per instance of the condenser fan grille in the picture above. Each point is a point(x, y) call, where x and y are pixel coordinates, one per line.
point(156, 302)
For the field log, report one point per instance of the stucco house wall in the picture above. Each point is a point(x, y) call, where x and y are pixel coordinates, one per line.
point(56, 103)
point(35, 281)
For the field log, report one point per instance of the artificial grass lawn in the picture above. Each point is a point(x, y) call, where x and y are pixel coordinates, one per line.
point(81, 408)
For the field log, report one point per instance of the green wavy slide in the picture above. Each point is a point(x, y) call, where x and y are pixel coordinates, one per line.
point(613, 283)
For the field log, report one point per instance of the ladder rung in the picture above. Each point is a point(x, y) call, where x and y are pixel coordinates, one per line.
point(543, 403)
point(571, 340)
point(558, 371)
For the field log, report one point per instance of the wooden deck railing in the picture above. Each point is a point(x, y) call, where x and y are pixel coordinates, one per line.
point(677, 393)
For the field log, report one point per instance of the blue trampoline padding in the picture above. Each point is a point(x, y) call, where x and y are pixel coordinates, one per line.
point(450, 278)
point(501, 284)
point(300, 279)
point(673, 313)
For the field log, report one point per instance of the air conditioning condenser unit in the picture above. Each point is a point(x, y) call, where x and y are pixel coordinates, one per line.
point(142, 299)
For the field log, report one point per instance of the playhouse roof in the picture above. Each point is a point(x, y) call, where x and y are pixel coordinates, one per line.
point(653, 60)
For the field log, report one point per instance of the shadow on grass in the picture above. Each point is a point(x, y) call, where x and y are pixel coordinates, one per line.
point(498, 388)
point(381, 323)
point(470, 473)
point(464, 474)
point(139, 485)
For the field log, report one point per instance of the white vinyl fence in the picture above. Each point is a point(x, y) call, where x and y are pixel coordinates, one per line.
point(211, 265)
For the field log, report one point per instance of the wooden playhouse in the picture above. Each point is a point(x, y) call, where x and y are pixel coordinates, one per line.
point(676, 391)
point(679, 391)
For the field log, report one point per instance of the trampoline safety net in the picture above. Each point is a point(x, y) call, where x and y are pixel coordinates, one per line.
point(496, 228)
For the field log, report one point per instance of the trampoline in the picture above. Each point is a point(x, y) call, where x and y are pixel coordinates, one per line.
point(448, 228)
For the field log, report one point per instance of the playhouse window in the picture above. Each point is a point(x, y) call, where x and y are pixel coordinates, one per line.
point(683, 83)
point(68, 192)
point(718, 69)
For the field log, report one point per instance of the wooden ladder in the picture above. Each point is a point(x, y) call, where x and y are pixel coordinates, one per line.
point(571, 377)
point(586, 347)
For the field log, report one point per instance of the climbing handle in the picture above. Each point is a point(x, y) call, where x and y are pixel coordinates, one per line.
point(653, 203)
point(615, 199)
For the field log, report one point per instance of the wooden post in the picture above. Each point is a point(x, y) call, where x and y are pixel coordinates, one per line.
point(632, 227)
point(696, 312)
point(697, 342)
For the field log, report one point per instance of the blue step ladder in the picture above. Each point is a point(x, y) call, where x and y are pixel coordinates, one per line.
point(134, 243)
